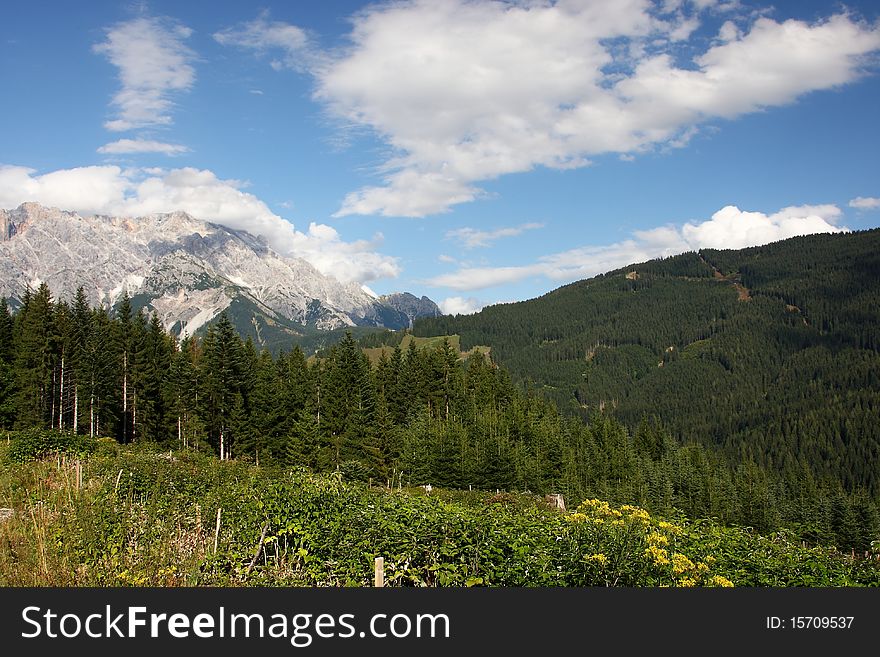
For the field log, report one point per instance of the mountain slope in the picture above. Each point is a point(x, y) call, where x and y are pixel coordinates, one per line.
point(410, 305)
point(184, 269)
point(769, 352)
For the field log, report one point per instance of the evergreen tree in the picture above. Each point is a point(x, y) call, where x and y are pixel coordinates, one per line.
point(184, 386)
point(124, 349)
point(222, 382)
point(6, 335)
point(34, 359)
point(7, 378)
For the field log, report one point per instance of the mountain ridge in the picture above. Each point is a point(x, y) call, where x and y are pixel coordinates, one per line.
point(770, 353)
point(185, 269)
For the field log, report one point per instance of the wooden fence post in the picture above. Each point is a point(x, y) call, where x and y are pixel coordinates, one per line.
point(217, 530)
point(379, 574)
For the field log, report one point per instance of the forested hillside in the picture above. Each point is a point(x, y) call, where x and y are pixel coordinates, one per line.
point(770, 353)
point(418, 416)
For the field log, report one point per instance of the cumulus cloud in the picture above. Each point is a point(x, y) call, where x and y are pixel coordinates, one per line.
point(136, 192)
point(732, 228)
point(865, 203)
point(154, 63)
point(472, 238)
point(464, 91)
point(729, 228)
point(460, 306)
point(358, 261)
point(88, 190)
point(126, 146)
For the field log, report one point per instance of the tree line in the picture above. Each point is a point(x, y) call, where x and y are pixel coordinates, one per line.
point(417, 416)
point(770, 354)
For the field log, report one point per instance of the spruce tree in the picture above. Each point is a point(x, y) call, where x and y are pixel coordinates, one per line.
point(34, 359)
point(221, 381)
point(7, 378)
point(123, 349)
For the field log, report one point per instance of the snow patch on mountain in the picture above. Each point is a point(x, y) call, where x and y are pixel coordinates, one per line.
point(185, 269)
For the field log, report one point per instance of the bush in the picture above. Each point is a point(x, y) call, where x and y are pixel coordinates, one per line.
point(35, 444)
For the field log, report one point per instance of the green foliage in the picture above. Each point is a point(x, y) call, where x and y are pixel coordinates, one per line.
point(33, 444)
point(769, 354)
point(143, 518)
point(676, 393)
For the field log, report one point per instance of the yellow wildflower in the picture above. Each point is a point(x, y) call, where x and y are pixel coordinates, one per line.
point(669, 527)
point(658, 555)
point(599, 558)
point(655, 538)
point(681, 564)
point(687, 582)
point(718, 580)
point(638, 514)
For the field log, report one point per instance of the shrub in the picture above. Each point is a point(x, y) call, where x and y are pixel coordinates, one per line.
point(35, 444)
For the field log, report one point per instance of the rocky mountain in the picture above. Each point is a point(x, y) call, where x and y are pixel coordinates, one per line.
point(186, 270)
point(410, 305)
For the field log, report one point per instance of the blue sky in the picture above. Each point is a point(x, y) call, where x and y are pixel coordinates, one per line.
point(472, 151)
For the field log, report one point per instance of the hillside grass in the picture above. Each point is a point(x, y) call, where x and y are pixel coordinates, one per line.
point(431, 342)
point(138, 517)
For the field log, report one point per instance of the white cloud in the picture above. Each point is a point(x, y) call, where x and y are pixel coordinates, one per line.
point(729, 228)
point(153, 63)
point(262, 36)
point(460, 306)
point(732, 228)
point(348, 261)
point(865, 203)
point(471, 238)
point(477, 278)
point(135, 192)
point(124, 146)
point(464, 91)
point(446, 258)
point(84, 189)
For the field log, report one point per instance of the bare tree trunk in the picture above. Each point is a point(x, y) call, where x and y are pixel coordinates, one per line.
point(75, 408)
point(134, 410)
point(125, 396)
point(52, 397)
point(221, 444)
point(61, 396)
point(92, 428)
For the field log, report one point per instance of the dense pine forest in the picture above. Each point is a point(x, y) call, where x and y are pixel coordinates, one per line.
point(418, 416)
point(769, 354)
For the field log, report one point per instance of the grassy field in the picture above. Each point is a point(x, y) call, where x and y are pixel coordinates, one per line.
point(93, 513)
point(375, 353)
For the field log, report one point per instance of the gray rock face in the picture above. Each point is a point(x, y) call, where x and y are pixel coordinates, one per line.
point(185, 269)
point(411, 305)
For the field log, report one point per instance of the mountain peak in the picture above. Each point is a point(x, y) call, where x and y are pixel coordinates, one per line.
point(411, 305)
point(185, 269)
